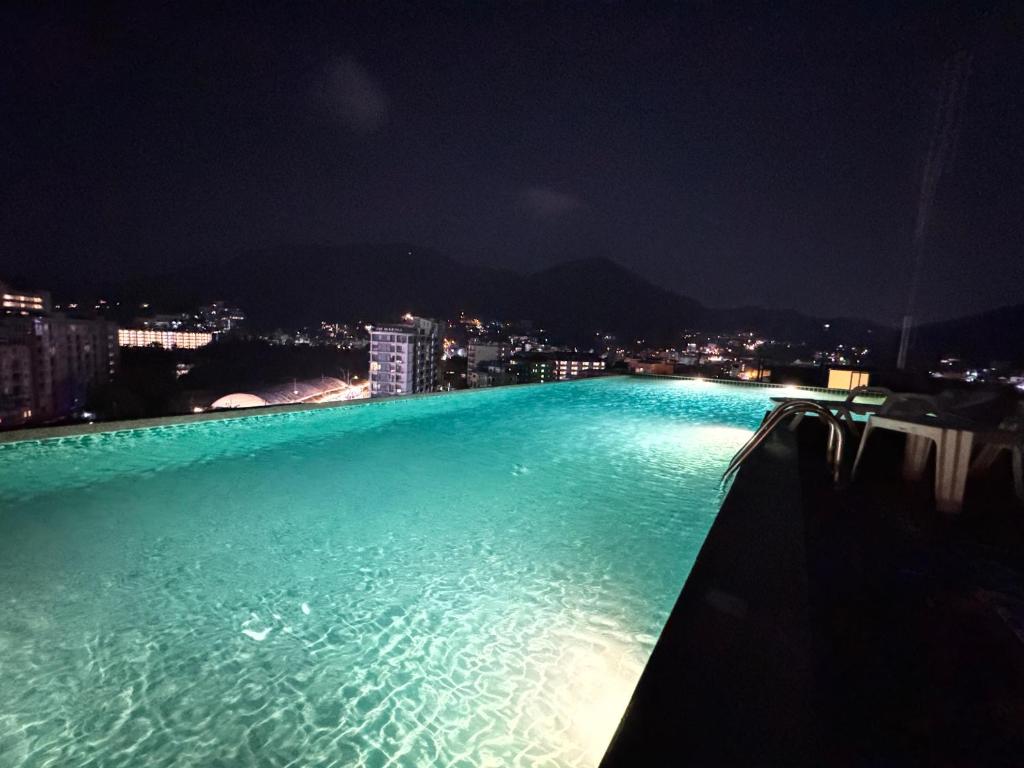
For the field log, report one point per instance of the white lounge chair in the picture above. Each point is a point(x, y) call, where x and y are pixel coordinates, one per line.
point(1009, 437)
point(953, 443)
point(926, 420)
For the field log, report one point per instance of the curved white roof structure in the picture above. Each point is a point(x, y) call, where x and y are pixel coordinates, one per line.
point(308, 391)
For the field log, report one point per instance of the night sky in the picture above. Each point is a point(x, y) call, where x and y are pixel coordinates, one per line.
point(738, 153)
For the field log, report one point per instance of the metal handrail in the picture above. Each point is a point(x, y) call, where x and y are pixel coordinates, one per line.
point(865, 390)
point(799, 406)
point(834, 446)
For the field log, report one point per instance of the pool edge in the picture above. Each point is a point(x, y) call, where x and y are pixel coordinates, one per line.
point(41, 434)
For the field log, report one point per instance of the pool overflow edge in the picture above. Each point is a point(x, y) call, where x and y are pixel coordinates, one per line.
point(40, 434)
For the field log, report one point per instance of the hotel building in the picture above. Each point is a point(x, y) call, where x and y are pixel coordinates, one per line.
point(405, 358)
point(49, 365)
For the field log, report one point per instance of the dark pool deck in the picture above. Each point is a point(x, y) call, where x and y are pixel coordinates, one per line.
point(850, 628)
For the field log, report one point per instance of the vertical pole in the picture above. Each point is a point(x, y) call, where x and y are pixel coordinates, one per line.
point(945, 131)
point(901, 356)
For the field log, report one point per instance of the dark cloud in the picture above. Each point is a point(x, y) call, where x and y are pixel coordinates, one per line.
point(546, 203)
point(351, 95)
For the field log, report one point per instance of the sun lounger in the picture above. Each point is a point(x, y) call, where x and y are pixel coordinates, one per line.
point(1009, 437)
point(953, 440)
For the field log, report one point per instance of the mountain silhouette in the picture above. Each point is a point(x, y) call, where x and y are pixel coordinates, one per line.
point(293, 285)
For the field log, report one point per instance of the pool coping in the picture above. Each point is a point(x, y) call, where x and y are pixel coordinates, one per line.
point(740, 382)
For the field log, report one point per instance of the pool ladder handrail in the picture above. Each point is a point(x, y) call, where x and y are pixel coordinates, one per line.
point(834, 446)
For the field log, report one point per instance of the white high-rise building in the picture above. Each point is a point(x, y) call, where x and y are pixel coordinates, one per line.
point(405, 358)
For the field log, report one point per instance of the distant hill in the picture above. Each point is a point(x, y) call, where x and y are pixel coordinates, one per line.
point(993, 336)
point(379, 282)
point(292, 285)
point(295, 285)
point(305, 284)
point(580, 298)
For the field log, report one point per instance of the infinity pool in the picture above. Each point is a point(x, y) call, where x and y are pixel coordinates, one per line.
point(465, 580)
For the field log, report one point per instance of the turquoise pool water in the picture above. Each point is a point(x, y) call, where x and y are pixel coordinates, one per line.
point(468, 580)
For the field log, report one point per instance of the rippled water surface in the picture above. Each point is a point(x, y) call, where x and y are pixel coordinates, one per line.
point(468, 580)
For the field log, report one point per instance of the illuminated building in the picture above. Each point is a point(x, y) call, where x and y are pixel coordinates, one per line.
point(405, 358)
point(532, 367)
point(540, 367)
point(575, 365)
point(49, 365)
point(148, 337)
point(839, 378)
point(22, 302)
